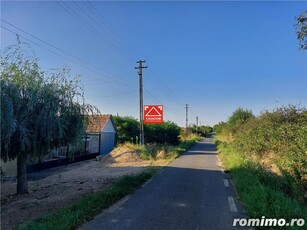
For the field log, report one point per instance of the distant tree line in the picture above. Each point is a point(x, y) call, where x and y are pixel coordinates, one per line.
point(202, 130)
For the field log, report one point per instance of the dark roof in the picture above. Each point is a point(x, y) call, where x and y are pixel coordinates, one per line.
point(97, 123)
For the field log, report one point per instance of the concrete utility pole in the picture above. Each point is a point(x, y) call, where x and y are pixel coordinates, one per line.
point(196, 123)
point(186, 116)
point(140, 67)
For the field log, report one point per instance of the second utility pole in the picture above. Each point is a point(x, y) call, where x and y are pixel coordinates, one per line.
point(186, 116)
point(140, 67)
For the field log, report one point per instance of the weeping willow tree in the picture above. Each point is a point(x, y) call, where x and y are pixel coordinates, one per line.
point(39, 110)
point(301, 30)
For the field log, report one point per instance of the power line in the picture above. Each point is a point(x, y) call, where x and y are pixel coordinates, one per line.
point(73, 13)
point(164, 105)
point(152, 96)
point(114, 35)
point(45, 48)
point(167, 89)
point(87, 25)
point(78, 61)
point(104, 21)
point(112, 95)
point(109, 30)
point(95, 15)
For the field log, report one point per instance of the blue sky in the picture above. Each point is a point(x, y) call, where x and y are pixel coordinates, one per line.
point(214, 56)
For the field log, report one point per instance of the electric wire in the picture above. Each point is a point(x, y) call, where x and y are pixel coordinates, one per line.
point(77, 60)
point(158, 101)
point(110, 35)
point(88, 26)
point(114, 37)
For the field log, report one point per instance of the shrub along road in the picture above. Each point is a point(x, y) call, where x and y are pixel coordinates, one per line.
point(190, 193)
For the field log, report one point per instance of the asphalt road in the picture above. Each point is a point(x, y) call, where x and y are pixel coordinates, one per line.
point(190, 193)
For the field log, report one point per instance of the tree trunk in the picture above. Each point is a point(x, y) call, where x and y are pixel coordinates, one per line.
point(22, 180)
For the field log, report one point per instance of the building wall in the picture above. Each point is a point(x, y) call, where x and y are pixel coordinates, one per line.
point(108, 128)
point(108, 136)
point(107, 143)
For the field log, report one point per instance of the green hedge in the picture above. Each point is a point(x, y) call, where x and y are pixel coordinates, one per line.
point(128, 131)
point(280, 135)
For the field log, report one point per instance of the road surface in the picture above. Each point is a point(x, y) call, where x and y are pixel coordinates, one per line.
point(190, 193)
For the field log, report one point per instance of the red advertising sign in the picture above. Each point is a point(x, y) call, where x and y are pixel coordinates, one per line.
point(153, 114)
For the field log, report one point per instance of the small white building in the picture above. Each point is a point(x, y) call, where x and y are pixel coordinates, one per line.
point(105, 126)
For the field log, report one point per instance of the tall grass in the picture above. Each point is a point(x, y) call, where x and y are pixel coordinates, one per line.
point(162, 151)
point(187, 142)
point(262, 192)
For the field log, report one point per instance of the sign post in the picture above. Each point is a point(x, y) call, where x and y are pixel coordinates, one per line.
point(153, 114)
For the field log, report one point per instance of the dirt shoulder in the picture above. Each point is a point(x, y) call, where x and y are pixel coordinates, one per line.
point(56, 188)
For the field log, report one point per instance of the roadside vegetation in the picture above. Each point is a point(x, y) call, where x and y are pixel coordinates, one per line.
point(167, 133)
point(158, 151)
point(267, 159)
point(88, 206)
point(165, 141)
point(39, 110)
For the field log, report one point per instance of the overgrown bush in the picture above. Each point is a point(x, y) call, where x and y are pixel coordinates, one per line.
point(166, 133)
point(223, 131)
point(239, 117)
point(228, 129)
point(127, 129)
point(281, 134)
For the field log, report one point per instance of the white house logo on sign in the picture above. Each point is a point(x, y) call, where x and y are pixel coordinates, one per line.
point(153, 114)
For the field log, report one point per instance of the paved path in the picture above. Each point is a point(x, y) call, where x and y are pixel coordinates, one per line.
point(190, 193)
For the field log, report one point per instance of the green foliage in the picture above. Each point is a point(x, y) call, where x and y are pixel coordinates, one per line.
point(38, 110)
point(283, 133)
point(127, 129)
point(134, 147)
point(263, 193)
point(301, 30)
point(159, 152)
point(203, 130)
point(268, 160)
point(166, 133)
point(162, 151)
point(91, 205)
point(188, 139)
point(239, 117)
point(221, 128)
